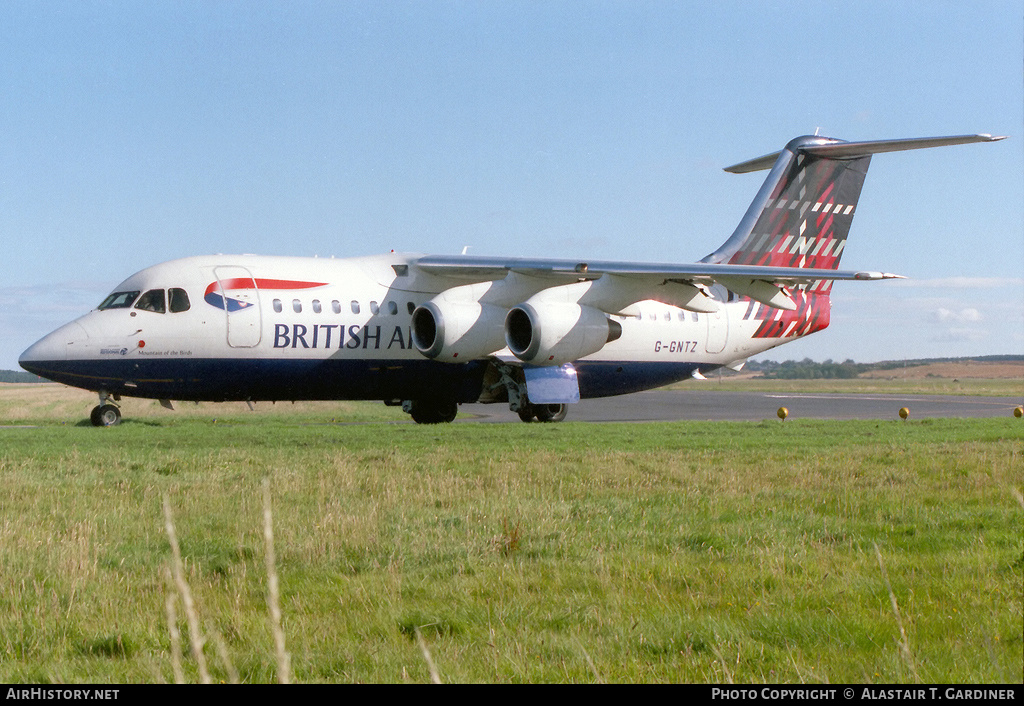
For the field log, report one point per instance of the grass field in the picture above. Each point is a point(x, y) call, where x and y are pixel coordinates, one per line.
point(678, 552)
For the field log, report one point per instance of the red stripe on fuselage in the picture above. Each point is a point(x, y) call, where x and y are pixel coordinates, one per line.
point(261, 283)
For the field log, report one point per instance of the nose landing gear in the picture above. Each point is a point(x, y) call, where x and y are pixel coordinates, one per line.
point(105, 414)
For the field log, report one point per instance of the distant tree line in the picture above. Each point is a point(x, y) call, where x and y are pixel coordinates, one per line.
point(18, 376)
point(808, 369)
point(893, 364)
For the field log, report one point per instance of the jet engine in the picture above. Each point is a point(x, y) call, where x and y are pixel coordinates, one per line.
point(556, 333)
point(457, 331)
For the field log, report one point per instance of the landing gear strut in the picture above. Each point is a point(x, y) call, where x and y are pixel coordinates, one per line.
point(105, 414)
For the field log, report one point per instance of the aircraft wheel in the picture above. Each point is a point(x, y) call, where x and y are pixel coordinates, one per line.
point(434, 413)
point(105, 415)
point(551, 412)
point(448, 411)
point(527, 413)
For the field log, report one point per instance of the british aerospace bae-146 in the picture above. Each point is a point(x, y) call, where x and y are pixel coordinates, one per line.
point(431, 332)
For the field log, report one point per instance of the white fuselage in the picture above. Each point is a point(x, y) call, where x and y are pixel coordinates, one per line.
point(258, 327)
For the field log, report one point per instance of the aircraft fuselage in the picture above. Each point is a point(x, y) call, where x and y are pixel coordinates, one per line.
point(280, 328)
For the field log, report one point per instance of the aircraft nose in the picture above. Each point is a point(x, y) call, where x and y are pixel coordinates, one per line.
point(54, 346)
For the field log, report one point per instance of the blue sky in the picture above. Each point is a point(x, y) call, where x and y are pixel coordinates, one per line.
point(137, 132)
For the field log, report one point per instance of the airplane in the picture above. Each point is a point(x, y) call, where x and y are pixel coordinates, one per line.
point(430, 332)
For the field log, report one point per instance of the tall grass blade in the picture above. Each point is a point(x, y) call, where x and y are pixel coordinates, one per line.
point(195, 635)
point(904, 642)
point(273, 592)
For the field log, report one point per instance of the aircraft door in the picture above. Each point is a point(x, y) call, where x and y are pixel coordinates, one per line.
point(718, 330)
point(241, 303)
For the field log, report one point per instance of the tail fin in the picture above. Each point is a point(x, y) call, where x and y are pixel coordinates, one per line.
point(802, 214)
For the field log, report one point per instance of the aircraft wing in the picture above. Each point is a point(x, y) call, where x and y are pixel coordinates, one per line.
point(476, 268)
point(648, 280)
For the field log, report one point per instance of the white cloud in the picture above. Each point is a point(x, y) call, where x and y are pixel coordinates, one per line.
point(965, 315)
point(960, 283)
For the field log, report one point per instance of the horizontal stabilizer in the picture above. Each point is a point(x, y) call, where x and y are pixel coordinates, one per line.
point(851, 150)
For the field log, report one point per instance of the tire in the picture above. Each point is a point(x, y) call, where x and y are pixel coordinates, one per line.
point(551, 412)
point(105, 415)
point(437, 412)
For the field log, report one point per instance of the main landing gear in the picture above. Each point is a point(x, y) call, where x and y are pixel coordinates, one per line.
point(514, 383)
point(442, 412)
point(431, 411)
point(502, 383)
point(543, 412)
point(105, 414)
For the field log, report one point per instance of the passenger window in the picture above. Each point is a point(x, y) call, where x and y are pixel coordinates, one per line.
point(355, 307)
point(278, 307)
point(336, 306)
point(179, 300)
point(393, 308)
point(410, 307)
point(374, 309)
point(118, 300)
point(316, 306)
point(153, 300)
point(296, 306)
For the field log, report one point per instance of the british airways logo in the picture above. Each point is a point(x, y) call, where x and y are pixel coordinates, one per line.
point(340, 336)
point(215, 292)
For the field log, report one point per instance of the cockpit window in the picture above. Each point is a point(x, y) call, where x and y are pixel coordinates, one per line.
point(153, 300)
point(118, 300)
point(179, 300)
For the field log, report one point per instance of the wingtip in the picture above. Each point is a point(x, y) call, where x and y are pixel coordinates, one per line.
point(876, 275)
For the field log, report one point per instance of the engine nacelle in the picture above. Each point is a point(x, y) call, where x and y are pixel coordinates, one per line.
point(457, 331)
point(556, 333)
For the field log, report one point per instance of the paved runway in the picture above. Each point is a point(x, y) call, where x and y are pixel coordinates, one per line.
point(674, 405)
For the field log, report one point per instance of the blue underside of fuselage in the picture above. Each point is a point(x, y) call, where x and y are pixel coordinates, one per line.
point(218, 379)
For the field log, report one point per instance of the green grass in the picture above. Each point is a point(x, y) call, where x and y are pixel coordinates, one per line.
point(689, 552)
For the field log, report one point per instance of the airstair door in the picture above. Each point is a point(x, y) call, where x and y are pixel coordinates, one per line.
point(241, 300)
